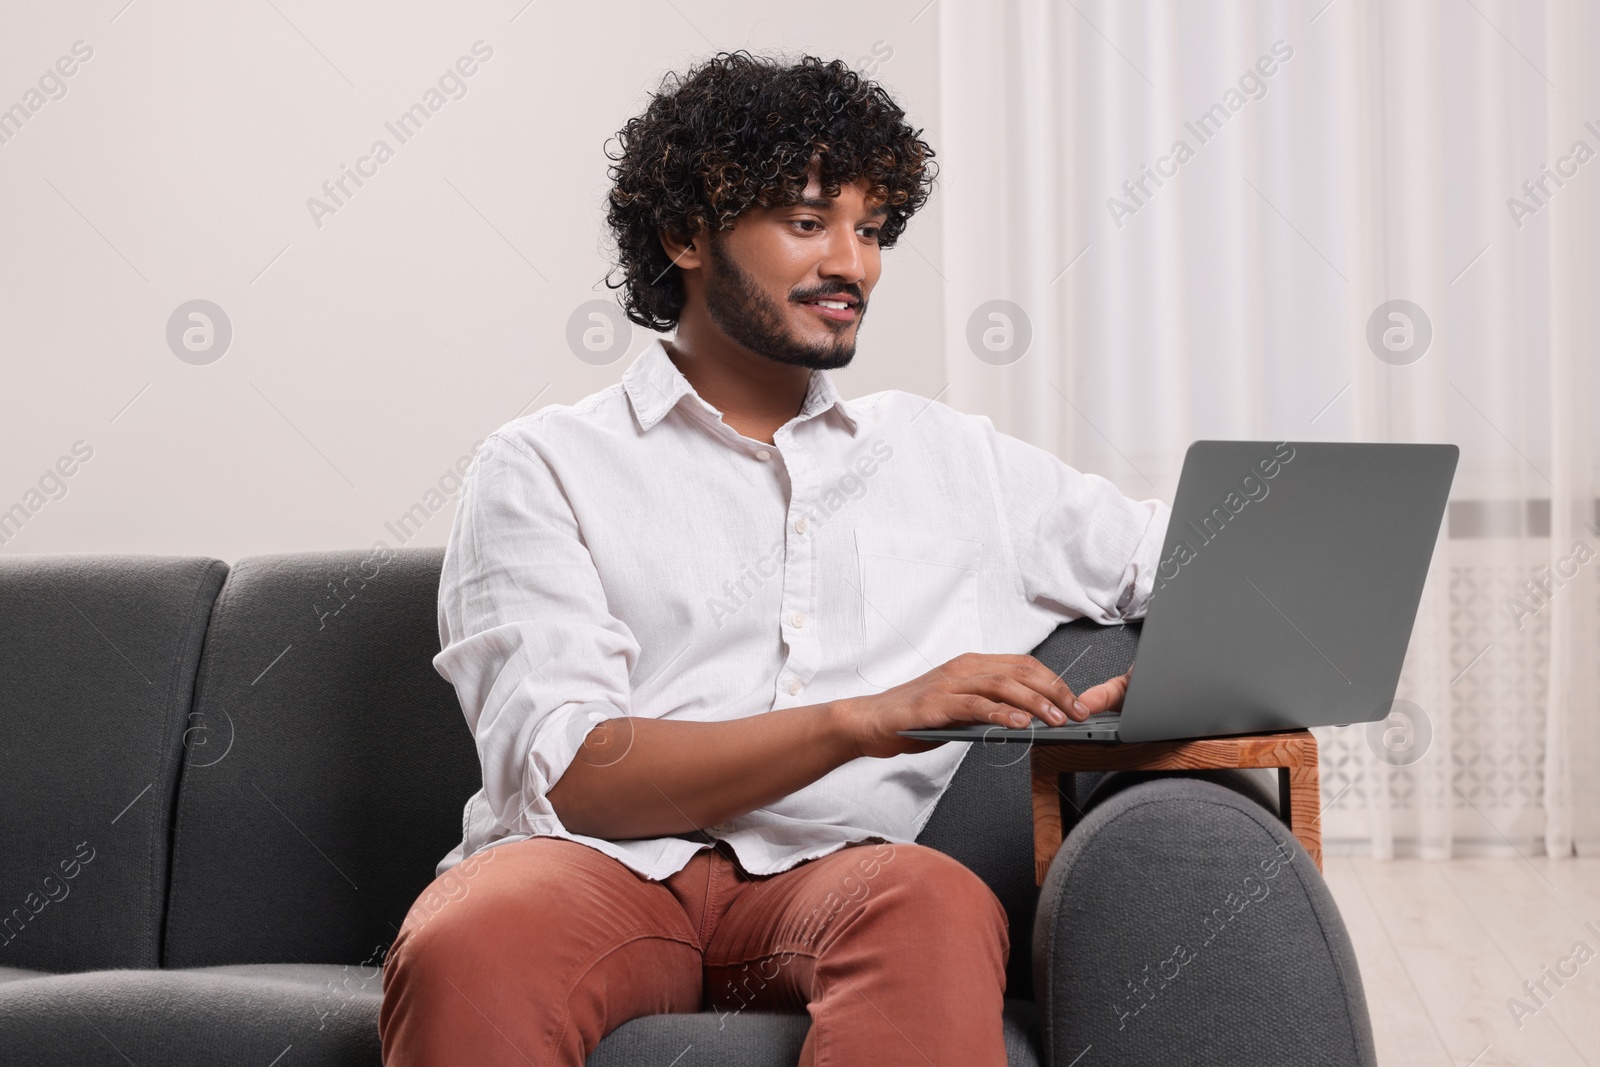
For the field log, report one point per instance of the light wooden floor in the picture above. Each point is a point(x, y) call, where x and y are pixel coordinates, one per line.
point(1443, 946)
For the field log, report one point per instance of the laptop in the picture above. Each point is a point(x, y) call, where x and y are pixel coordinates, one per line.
point(1285, 595)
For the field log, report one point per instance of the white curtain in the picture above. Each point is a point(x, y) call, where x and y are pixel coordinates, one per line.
point(1335, 157)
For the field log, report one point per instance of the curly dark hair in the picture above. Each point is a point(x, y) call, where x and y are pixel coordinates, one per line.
point(739, 131)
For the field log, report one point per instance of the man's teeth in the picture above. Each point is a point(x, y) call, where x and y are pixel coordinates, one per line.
point(839, 304)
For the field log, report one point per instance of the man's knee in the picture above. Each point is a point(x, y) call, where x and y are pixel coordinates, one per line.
point(924, 886)
point(452, 917)
point(542, 898)
point(547, 946)
point(450, 889)
point(469, 910)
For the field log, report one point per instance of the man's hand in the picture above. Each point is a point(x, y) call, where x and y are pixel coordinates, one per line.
point(976, 687)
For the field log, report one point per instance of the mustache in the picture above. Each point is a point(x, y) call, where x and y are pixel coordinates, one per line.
point(823, 294)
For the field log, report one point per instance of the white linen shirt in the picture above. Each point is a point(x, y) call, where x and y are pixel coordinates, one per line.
point(632, 554)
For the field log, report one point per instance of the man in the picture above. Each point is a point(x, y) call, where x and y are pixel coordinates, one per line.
point(687, 616)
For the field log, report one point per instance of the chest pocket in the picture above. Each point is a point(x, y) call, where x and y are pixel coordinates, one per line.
point(919, 605)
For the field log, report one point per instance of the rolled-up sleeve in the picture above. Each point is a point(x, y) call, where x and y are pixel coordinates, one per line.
point(524, 632)
point(1081, 546)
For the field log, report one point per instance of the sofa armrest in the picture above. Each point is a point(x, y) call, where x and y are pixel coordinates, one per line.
point(1182, 922)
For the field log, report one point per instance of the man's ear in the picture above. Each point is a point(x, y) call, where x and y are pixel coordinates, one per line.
point(685, 253)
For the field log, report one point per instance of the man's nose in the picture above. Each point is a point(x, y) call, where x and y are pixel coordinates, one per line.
point(843, 259)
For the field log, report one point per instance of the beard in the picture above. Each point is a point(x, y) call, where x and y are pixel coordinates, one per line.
point(752, 319)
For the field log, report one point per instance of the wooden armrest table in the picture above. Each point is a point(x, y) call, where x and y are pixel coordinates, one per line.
point(1293, 754)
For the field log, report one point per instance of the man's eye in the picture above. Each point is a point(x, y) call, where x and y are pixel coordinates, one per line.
point(871, 232)
point(806, 222)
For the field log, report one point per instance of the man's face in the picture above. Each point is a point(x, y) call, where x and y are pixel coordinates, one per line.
point(765, 276)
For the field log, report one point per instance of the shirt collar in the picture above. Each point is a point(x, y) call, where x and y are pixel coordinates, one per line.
point(654, 385)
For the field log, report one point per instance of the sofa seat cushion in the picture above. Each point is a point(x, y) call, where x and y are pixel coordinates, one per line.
point(211, 1015)
point(14, 974)
point(328, 1014)
point(758, 1039)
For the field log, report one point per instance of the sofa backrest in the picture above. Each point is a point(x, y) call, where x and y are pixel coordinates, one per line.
point(268, 768)
point(97, 665)
point(985, 817)
point(339, 762)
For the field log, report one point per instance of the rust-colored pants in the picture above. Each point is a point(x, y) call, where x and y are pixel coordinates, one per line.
point(532, 951)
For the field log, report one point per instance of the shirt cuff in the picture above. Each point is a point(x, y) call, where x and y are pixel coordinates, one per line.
point(556, 742)
point(1140, 577)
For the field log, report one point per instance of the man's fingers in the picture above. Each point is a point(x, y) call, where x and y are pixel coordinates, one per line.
point(1014, 689)
point(996, 711)
point(1107, 696)
point(1018, 694)
point(1046, 681)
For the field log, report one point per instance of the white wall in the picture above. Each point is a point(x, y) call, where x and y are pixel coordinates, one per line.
point(371, 351)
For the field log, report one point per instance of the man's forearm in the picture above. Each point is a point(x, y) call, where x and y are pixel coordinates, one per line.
point(658, 777)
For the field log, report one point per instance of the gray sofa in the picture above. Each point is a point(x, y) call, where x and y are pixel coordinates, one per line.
point(221, 789)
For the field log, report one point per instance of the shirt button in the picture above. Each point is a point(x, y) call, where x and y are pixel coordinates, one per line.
point(800, 526)
point(799, 618)
point(794, 687)
point(763, 454)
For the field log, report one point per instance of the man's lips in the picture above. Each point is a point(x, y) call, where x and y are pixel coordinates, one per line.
point(835, 314)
